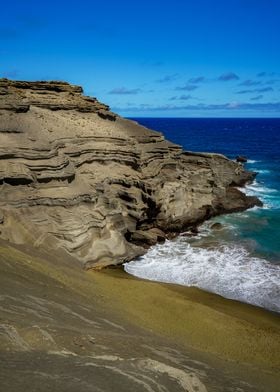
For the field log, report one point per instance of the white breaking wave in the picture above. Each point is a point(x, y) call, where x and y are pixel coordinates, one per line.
point(229, 271)
point(251, 161)
point(269, 196)
point(263, 171)
point(256, 187)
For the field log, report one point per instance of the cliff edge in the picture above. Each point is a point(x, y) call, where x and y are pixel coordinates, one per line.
point(76, 176)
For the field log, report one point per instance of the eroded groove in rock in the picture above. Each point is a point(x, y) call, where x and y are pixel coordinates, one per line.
point(76, 176)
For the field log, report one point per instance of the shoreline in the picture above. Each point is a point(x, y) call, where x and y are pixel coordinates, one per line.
point(117, 322)
point(218, 261)
point(228, 329)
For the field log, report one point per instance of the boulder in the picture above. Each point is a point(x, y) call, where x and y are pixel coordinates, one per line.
point(241, 159)
point(143, 238)
point(216, 226)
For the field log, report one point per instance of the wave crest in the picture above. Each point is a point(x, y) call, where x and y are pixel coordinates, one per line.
point(227, 270)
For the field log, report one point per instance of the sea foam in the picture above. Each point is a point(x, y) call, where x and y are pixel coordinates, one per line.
point(269, 196)
point(227, 270)
point(252, 161)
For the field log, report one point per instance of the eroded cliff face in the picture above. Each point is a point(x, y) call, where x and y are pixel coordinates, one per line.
point(74, 175)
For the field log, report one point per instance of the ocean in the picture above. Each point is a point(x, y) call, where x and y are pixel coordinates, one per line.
point(241, 260)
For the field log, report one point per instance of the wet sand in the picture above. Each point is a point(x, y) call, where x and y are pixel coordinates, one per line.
point(64, 329)
point(230, 330)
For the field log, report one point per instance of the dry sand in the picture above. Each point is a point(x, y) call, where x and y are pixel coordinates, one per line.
point(56, 319)
point(230, 330)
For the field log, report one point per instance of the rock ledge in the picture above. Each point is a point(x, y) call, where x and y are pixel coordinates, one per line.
point(76, 176)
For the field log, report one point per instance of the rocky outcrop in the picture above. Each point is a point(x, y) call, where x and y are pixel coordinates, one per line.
point(18, 96)
point(241, 159)
point(74, 175)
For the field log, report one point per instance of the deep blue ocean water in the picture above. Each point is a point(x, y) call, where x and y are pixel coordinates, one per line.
point(241, 261)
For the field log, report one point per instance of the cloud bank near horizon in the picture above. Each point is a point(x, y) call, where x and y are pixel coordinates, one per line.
point(226, 107)
point(189, 54)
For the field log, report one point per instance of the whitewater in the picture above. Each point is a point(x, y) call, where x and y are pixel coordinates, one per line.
point(241, 261)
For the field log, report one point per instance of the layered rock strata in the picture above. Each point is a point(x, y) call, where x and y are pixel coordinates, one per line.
point(76, 176)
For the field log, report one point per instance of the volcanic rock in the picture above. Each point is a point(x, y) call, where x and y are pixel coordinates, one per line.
point(216, 226)
point(76, 176)
point(241, 159)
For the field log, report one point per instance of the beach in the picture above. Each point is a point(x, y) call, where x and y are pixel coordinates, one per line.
point(58, 319)
point(194, 318)
point(140, 196)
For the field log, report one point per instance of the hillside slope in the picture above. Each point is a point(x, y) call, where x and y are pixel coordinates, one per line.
point(76, 176)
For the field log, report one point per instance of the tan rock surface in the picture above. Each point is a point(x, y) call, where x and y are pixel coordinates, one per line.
point(74, 175)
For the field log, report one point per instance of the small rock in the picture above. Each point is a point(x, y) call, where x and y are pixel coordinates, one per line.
point(171, 235)
point(194, 230)
point(241, 159)
point(216, 226)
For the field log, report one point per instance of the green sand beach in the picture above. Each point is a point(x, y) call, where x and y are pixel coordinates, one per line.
point(52, 310)
point(192, 317)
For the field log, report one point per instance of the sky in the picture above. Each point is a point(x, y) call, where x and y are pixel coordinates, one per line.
point(151, 58)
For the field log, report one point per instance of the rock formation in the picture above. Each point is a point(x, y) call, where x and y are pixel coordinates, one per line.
point(241, 159)
point(76, 176)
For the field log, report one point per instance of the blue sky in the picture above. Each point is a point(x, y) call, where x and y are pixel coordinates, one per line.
point(180, 58)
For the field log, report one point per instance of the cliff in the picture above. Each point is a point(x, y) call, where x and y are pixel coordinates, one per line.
point(76, 176)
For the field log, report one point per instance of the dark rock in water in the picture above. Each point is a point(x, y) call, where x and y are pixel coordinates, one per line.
point(216, 226)
point(171, 235)
point(241, 159)
point(194, 230)
point(74, 175)
point(245, 177)
point(235, 199)
point(255, 201)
